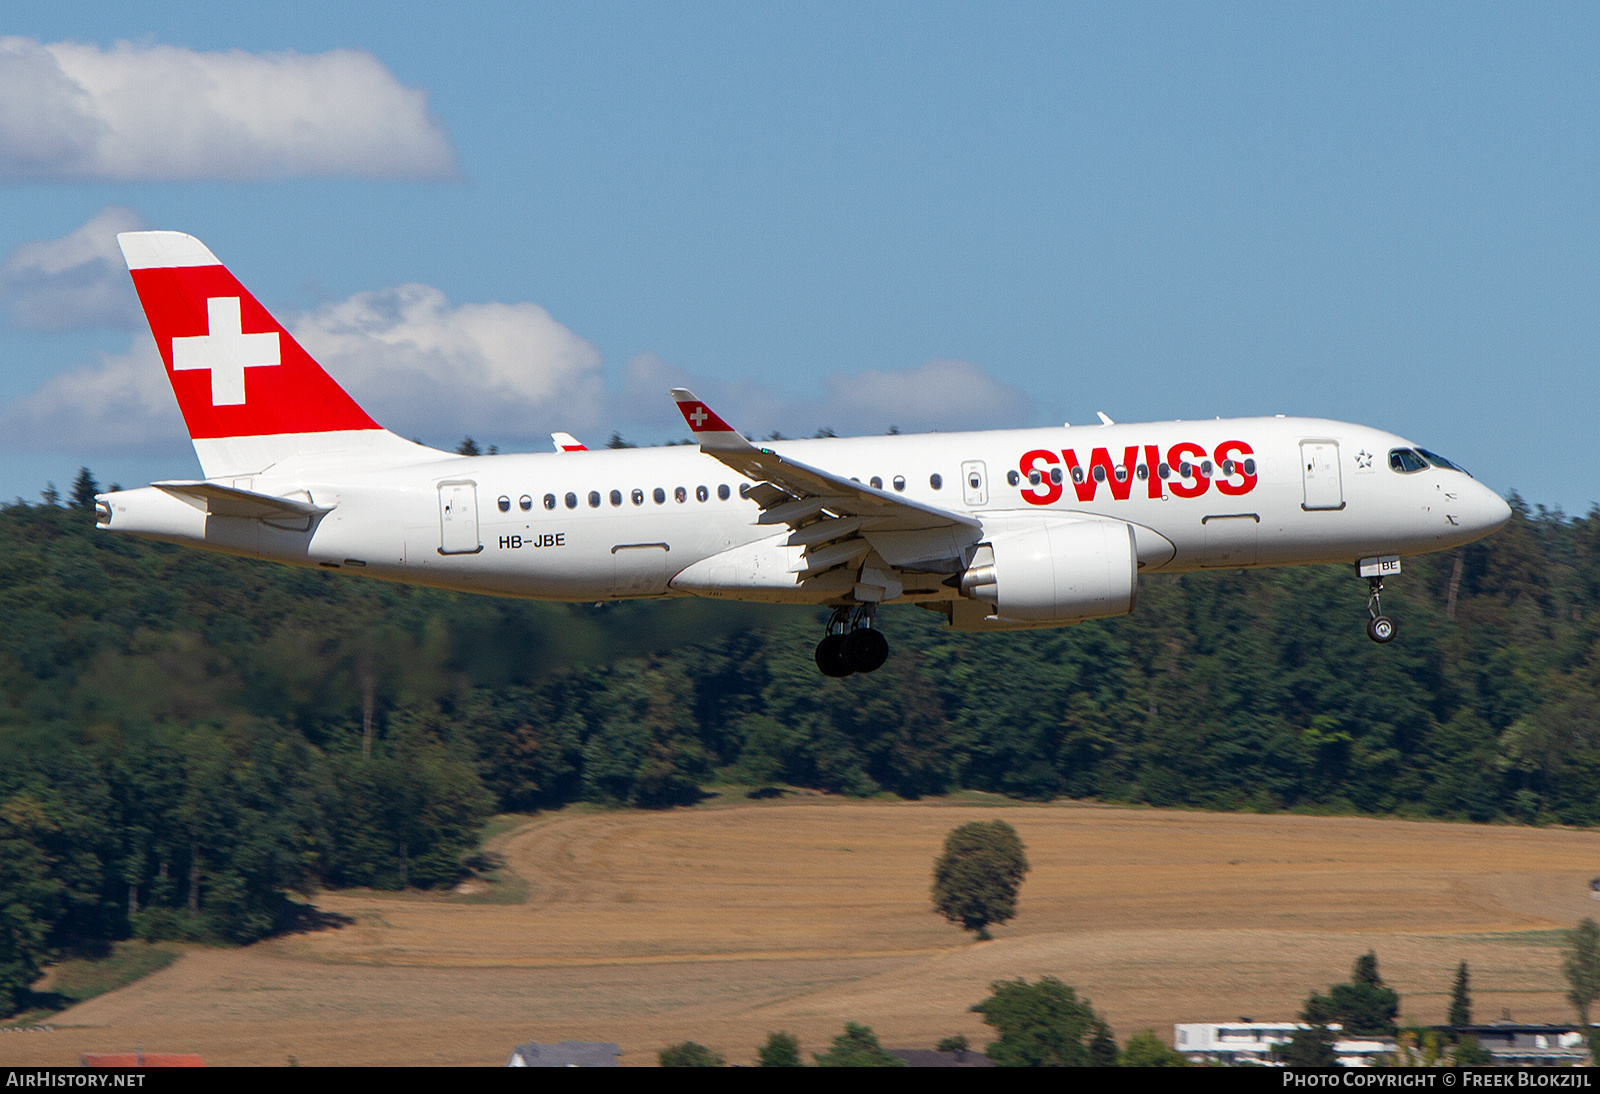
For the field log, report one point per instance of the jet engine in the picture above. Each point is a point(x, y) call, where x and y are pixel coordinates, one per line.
point(1056, 571)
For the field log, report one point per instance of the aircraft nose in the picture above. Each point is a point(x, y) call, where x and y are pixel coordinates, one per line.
point(1490, 511)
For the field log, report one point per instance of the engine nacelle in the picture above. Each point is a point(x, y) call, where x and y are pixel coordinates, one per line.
point(1058, 571)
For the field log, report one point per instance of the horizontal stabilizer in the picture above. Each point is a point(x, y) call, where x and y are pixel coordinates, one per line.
point(230, 501)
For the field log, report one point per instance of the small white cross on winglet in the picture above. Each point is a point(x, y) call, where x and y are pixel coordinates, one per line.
point(226, 350)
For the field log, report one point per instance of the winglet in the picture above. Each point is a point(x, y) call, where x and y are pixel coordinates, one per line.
point(566, 442)
point(708, 428)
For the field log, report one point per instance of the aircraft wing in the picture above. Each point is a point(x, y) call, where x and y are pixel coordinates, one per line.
point(837, 520)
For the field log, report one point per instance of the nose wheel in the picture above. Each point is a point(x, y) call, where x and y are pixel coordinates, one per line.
point(1380, 628)
point(850, 644)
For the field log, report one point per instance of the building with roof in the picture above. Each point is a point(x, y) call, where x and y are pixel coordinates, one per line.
point(1247, 1042)
point(566, 1054)
point(140, 1058)
point(1528, 1045)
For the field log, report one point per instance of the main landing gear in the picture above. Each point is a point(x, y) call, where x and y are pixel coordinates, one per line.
point(851, 645)
point(1380, 628)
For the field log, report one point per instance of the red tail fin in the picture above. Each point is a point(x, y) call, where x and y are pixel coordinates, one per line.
point(235, 370)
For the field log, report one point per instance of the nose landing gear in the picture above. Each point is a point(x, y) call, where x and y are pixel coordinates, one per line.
point(1380, 628)
point(851, 645)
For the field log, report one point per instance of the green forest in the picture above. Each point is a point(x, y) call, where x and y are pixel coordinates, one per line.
point(187, 739)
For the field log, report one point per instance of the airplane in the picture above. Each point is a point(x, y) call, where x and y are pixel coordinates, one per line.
point(995, 530)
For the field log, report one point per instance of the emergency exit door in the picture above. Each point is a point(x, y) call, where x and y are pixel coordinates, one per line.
point(1319, 466)
point(458, 518)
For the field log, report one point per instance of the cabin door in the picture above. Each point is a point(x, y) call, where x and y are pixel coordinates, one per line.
point(1319, 465)
point(458, 518)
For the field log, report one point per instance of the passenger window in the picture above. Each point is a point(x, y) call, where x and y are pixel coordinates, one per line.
point(549, 501)
point(1141, 472)
point(525, 502)
point(744, 490)
point(638, 497)
point(876, 482)
point(680, 495)
point(659, 495)
point(1099, 472)
point(504, 503)
point(975, 481)
point(701, 493)
point(1077, 475)
point(1122, 474)
point(616, 497)
point(1055, 475)
point(936, 481)
point(1163, 471)
point(1012, 478)
point(1034, 478)
point(1185, 469)
point(900, 482)
point(572, 501)
point(594, 499)
point(1249, 467)
point(723, 492)
point(1227, 468)
point(1205, 469)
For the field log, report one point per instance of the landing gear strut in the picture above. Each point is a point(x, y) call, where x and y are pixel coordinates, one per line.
point(1380, 628)
point(851, 645)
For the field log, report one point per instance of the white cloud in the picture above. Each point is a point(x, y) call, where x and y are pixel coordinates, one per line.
point(425, 367)
point(76, 282)
point(120, 404)
point(152, 112)
point(942, 394)
point(502, 373)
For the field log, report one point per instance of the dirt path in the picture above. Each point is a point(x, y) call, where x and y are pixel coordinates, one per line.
point(724, 923)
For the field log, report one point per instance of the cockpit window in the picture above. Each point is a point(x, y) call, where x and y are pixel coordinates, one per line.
point(1442, 463)
point(1406, 461)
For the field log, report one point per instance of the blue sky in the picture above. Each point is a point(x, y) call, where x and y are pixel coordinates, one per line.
point(850, 216)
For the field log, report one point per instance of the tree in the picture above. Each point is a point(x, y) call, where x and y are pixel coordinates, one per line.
point(689, 1054)
point(1310, 1047)
point(1364, 1006)
point(1581, 967)
point(469, 447)
point(857, 1046)
point(781, 1050)
point(975, 880)
point(1044, 1025)
point(30, 897)
point(1460, 999)
point(84, 488)
point(1145, 1049)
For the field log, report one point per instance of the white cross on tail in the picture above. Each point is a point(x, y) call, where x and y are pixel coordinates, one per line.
point(226, 350)
point(699, 416)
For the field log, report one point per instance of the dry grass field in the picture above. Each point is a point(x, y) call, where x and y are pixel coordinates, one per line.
point(724, 922)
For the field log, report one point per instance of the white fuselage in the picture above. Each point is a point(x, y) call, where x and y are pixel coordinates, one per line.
point(586, 526)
